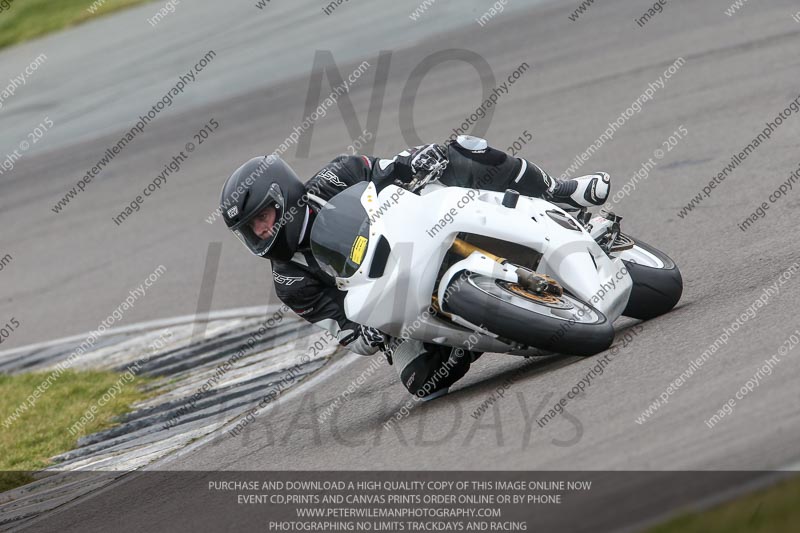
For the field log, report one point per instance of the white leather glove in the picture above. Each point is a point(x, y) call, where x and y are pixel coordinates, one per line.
point(365, 341)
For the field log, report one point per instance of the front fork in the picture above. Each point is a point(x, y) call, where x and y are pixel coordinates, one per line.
point(529, 280)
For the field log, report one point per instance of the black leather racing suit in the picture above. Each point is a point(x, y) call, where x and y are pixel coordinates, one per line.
point(302, 285)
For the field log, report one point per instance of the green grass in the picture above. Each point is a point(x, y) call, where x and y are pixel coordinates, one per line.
point(772, 510)
point(43, 431)
point(25, 19)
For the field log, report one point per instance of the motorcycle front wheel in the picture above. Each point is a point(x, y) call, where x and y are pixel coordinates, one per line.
point(562, 324)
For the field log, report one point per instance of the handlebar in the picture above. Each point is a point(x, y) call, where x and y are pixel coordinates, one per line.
point(420, 181)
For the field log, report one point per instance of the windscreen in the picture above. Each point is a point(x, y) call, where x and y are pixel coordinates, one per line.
point(340, 234)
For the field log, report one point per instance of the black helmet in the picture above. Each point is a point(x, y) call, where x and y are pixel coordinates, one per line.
point(260, 183)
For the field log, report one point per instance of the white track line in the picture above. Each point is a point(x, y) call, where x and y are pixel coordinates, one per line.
point(240, 312)
point(315, 380)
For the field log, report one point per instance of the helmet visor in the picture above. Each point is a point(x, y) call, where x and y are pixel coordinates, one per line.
point(261, 242)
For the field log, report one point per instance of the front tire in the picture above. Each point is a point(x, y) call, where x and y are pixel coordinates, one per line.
point(562, 324)
point(657, 282)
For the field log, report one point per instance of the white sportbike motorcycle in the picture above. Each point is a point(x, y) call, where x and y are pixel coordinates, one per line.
point(487, 271)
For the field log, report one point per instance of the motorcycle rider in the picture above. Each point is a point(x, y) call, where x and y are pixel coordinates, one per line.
point(272, 212)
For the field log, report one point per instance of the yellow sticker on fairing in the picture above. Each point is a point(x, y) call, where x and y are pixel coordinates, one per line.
point(358, 250)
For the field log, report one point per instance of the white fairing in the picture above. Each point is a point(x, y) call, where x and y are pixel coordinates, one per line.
point(640, 256)
point(398, 301)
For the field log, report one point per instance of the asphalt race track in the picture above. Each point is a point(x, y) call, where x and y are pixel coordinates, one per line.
point(70, 269)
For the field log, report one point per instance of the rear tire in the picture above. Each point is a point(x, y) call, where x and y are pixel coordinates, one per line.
point(657, 282)
point(568, 325)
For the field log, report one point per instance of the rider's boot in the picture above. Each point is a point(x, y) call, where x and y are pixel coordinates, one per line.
point(585, 191)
